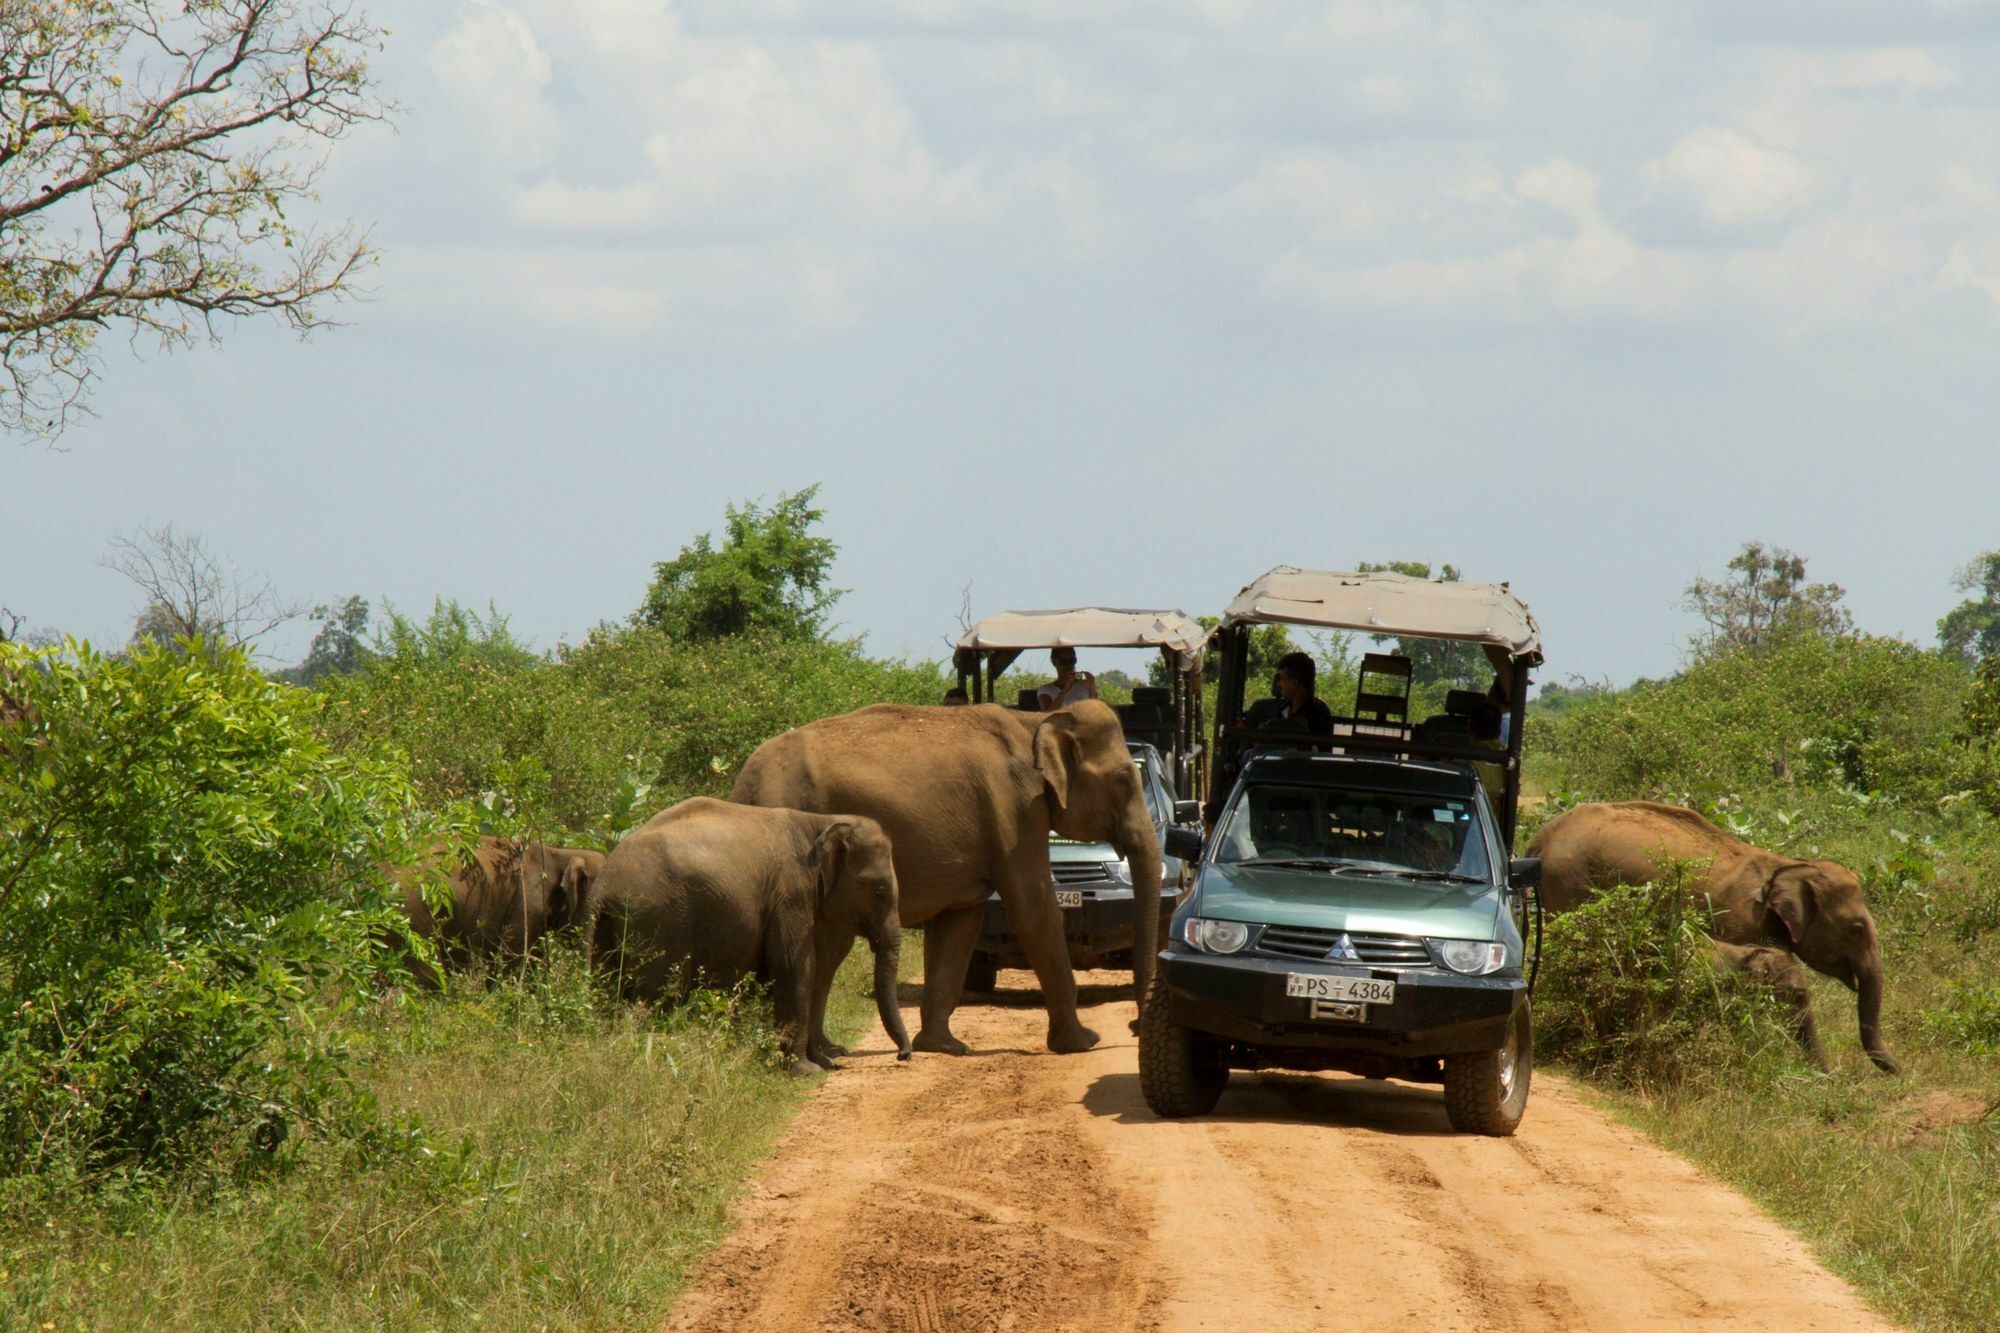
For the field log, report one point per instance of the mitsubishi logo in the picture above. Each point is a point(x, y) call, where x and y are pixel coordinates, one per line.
point(1343, 951)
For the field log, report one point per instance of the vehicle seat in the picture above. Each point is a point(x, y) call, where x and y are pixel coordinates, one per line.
point(1382, 696)
point(1443, 729)
point(1029, 701)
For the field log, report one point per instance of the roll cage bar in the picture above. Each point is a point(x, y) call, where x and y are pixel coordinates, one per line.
point(1487, 614)
point(985, 651)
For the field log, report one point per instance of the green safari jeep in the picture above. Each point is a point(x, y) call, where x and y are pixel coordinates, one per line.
point(1354, 904)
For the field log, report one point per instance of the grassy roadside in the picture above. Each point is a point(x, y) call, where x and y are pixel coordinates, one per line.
point(1893, 1182)
point(604, 1145)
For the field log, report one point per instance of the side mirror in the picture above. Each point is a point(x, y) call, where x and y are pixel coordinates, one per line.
point(1524, 872)
point(1184, 843)
point(1187, 812)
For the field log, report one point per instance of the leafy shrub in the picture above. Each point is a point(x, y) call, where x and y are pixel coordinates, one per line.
point(1627, 992)
point(597, 738)
point(1861, 713)
point(192, 880)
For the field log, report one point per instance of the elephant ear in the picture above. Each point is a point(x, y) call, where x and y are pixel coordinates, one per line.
point(830, 851)
point(1791, 901)
point(567, 894)
point(1056, 754)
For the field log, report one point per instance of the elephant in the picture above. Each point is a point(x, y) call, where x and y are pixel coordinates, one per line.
point(707, 893)
point(1778, 971)
point(1762, 900)
point(509, 895)
point(968, 796)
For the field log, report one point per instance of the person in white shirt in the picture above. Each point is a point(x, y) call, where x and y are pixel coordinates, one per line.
point(1070, 685)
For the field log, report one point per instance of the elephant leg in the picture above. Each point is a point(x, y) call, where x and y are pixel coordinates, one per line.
point(1037, 921)
point(1781, 973)
point(788, 966)
point(949, 938)
point(1785, 976)
point(829, 953)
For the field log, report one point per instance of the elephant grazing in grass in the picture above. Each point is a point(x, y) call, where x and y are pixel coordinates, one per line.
point(502, 901)
point(968, 797)
point(708, 893)
point(1763, 901)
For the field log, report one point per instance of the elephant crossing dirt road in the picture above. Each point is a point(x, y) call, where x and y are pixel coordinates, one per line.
point(1009, 1190)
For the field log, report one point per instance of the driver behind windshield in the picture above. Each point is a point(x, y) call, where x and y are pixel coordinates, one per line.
point(1385, 831)
point(1302, 709)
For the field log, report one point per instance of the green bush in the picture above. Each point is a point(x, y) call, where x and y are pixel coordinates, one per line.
point(1858, 712)
point(1627, 993)
point(192, 881)
point(586, 743)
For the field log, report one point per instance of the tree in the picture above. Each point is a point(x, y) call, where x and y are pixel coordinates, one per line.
point(1765, 598)
point(769, 575)
point(1433, 662)
point(191, 593)
point(1971, 630)
point(149, 150)
point(1268, 646)
point(338, 648)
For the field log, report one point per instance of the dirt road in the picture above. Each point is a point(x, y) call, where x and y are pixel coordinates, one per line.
point(1012, 1189)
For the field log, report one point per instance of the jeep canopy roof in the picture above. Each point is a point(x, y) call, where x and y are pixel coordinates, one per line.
point(1483, 613)
point(1089, 627)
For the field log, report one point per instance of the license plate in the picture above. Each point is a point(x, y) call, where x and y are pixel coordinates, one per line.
point(1069, 897)
point(1347, 990)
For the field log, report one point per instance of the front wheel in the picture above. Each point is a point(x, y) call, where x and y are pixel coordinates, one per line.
point(1486, 1092)
point(1180, 1072)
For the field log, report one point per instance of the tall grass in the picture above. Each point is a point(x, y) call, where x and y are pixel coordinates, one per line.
point(584, 1157)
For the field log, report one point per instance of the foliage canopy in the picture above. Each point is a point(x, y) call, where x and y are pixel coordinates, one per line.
point(148, 154)
point(191, 881)
point(769, 575)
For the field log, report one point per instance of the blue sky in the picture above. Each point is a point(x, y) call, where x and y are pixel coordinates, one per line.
point(1114, 302)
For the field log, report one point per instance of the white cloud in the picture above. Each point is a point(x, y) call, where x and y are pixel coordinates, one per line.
point(494, 68)
point(1732, 182)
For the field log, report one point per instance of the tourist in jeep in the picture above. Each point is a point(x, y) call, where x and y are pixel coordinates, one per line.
point(1070, 685)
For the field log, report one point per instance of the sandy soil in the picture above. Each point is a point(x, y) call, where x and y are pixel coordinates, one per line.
point(1013, 1189)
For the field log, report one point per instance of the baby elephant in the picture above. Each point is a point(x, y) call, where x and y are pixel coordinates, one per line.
point(709, 892)
point(502, 901)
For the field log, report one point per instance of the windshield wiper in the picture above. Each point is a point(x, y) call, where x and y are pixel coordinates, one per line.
point(1441, 876)
point(1296, 862)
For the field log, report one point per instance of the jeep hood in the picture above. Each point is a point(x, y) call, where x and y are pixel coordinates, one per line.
point(1280, 896)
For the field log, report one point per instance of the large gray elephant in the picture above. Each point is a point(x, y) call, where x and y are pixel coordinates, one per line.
point(1762, 900)
point(501, 902)
point(968, 797)
point(708, 893)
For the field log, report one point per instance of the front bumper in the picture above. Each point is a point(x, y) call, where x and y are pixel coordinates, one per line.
point(1094, 932)
point(1242, 998)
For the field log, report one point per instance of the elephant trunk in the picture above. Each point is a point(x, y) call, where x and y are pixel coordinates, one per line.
point(1868, 987)
point(1141, 849)
point(888, 967)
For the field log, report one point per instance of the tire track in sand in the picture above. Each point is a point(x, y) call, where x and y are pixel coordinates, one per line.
point(1012, 1189)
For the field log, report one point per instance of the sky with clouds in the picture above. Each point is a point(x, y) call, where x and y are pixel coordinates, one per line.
point(1110, 300)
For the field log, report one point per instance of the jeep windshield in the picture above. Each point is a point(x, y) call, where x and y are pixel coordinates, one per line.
point(1407, 834)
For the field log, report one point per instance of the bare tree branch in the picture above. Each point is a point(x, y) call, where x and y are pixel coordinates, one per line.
point(148, 152)
point(192, 594)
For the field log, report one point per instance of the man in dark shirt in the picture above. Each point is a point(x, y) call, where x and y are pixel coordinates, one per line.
point(1296, 674)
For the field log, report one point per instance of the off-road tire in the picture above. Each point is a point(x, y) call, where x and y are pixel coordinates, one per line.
point(982, 974)
point(1481, 1094)
point(1179, 1070)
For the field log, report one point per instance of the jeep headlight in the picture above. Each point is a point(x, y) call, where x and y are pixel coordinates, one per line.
point(1472, 958)
point(1211, 936)
point(1118, 872)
